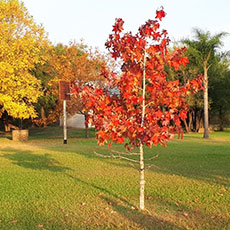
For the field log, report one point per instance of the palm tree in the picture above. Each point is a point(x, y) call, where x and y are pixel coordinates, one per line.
point(204, 53)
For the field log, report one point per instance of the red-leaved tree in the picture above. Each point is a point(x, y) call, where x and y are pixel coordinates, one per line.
point(139, 106)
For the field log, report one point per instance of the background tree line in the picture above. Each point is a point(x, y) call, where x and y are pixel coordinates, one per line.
point(31, 67)
point(205, 56)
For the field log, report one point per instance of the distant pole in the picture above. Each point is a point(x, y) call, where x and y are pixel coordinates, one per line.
point(64, 122)
point(64, 94)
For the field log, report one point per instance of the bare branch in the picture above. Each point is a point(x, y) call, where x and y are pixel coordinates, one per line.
point(126, 153)
point(128, 159)
point(149, 104)
point(139, 88)
point(135, 166)
point(154, 157)
point(104, 156)
point(148, 166)
point(209, 66)
point(116, 157)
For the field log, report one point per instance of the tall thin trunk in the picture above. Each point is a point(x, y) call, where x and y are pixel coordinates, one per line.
point(43, 116)
point(86, 126)
point(186, 125)
point(6, 122)
point(197, 121)
point(142, 166)
point(64, 122)
point(190, 120)
point(206, 133)
point(221, 128)
point(201, 124)
point(142, 178)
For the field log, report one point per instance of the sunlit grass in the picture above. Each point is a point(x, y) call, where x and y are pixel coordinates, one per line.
point(45, 184)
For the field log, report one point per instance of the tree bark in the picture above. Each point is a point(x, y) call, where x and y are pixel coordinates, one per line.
point(142, 178)
point(190, 120)
point(6, 122)
point(86, 126)
point(206, 133)
point(186, 126)
point(43, 116)
point(221, 126)
point(142, 166)
point(197, 121)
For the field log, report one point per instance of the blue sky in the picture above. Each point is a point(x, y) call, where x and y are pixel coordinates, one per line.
point(92, 20)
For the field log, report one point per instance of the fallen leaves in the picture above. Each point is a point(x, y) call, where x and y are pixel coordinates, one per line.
point(185, 214)
point(223, 189)
point(196, 200)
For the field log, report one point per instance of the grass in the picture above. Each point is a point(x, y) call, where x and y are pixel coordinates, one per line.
point(47, 185)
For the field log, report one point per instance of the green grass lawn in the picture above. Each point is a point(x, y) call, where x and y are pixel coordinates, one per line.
point(45, 184)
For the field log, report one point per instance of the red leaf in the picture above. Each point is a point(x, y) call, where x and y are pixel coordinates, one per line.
point(120, 140)
point(118, 116)
point(118, 27)
point(160, 14)
point(127, 147)
point(183, 115)
point(184, 61)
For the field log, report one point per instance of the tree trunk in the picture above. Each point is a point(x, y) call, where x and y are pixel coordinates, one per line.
point(142, 166)
point(200, 121)
point(197, 121)
point(221, 126)
point(86, 126)
point(190, 120)
point(6, 127)
point(43, 116)
point(142, 178)
point(186, 125)
point(6, 122)
point(206, 133)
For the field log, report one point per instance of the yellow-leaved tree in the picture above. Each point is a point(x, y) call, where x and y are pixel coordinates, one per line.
point(21, 43)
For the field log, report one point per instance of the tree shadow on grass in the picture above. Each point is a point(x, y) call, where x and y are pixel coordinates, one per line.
point(188, 218)
point(103, 190)
point(142, 219)
point(192, 171)
point(203, 162)
point(29, 160)
point(31, 218)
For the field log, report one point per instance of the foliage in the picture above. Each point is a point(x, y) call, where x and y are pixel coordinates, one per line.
point(148, 108)
point(204, 47)
point(46, 103)
point(71, 63)
point(194, 120)
point(21, 43)
point(203, 52)
point(220, 94)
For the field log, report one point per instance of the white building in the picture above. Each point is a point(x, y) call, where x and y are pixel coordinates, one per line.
point(76, 121)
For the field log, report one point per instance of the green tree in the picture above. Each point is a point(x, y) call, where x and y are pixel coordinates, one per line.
point(195, 101)
point(220, 94)
point(46, 104)
point(203, 52)
point(73, 62)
